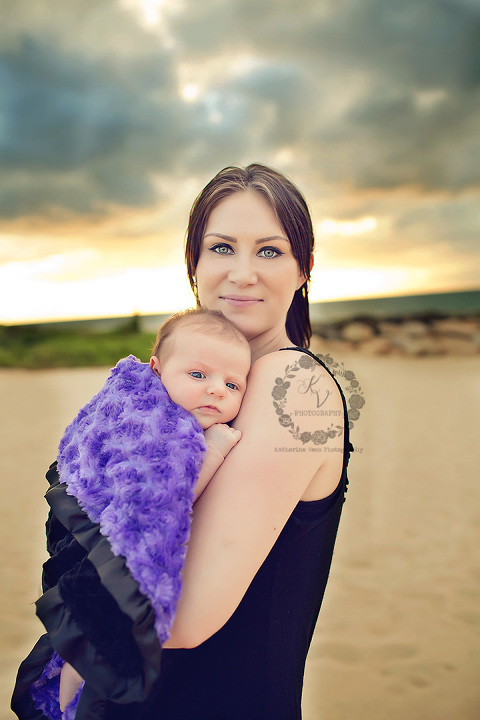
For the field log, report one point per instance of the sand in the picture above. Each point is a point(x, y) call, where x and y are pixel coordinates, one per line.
point(399, 632)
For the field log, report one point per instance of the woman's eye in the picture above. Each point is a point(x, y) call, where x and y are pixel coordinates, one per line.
point(232, 386)
point(269, 252)
point(197, 375)
point(222, 249)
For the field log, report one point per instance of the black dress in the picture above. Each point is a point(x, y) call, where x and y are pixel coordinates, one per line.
point(253, 667)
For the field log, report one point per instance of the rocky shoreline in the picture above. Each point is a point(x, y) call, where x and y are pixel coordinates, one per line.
point(414, 336)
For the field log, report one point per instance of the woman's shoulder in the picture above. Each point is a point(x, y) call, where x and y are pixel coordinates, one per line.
point(296, 370)
point(293, 354)
point(292, 397)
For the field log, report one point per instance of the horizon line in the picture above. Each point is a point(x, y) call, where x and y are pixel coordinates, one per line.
point(313, 303)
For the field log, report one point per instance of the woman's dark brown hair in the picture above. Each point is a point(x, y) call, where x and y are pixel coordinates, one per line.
point(292, 213)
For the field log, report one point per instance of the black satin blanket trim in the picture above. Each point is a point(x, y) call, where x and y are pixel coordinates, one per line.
point(68, 637)
point(68, 554)
point(28, 672)
point(97, 614)
point(56, 534)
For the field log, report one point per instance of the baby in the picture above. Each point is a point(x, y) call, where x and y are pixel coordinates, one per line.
point(203, 362)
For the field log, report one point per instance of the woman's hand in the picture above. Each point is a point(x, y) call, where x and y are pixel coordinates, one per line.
point(70, 681)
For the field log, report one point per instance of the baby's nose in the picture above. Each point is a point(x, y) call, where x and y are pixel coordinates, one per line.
point(217, 388)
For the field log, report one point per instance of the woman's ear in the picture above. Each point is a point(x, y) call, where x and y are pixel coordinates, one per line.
point(155, 365)
point(302, 277)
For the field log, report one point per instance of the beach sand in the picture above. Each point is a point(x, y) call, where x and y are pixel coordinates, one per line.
point(399, 632)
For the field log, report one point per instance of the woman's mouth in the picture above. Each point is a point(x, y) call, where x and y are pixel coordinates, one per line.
point(240, 300)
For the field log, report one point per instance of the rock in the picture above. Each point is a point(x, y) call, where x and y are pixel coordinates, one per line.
point(339, 345)
point(417, 345)
point(458, 346)
point(357, 332)
point(456, 327)
point(327, 331)
point(476, 339)
point(413, 337)
point(414, 328)
point(376, 346)
point(318, 345)
point(388, 328)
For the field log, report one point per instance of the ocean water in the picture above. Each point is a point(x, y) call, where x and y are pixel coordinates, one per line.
point(452, 303)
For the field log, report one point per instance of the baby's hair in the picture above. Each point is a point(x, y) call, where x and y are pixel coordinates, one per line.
point(212, 322)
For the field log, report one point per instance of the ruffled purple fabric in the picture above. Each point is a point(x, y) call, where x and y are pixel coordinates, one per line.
point(131, 458)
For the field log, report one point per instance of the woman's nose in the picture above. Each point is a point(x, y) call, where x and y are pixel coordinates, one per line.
point(242, 272)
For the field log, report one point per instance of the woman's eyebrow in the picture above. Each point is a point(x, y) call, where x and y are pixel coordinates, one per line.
point(231, 239)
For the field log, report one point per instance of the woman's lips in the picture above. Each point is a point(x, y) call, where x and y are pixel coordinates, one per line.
point(240, 300)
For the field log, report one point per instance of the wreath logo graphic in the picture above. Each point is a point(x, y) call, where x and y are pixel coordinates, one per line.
point(355, 401)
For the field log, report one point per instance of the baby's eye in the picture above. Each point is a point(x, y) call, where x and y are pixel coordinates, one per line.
point(270, 252)
point(222, 249)
point(197, 374)
point(232, 386)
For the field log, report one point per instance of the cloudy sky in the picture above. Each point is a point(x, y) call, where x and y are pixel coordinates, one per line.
point(115, 113)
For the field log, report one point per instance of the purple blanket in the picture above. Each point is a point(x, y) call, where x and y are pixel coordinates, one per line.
point(131, 458)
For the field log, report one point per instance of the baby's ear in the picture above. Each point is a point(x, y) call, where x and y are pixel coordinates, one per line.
point(155, 365)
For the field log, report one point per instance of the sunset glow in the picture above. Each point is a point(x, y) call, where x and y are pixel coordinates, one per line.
point(138, 290)
point(36, 291)
point(114, 119)
point(347, 227)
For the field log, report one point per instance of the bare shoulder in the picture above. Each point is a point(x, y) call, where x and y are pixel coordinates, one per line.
point(296, 394)
point(294, 409)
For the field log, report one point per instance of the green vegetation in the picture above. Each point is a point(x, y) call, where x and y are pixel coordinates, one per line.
point(33, 347)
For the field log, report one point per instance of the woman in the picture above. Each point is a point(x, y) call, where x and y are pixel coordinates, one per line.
point(263, 531)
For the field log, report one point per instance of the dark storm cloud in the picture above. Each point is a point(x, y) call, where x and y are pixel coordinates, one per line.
point(260, 111)
point(368, 93)
point(101, 126)
point(455, 221)
point(411, 69)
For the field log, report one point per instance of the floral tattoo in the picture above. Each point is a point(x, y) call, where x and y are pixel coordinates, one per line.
point(312, 385)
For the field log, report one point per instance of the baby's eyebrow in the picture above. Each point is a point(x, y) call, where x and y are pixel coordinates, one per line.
point(231, 239)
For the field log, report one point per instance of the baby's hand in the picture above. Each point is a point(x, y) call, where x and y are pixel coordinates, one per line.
point(222, 437)
point(220, 440)
point(70, 681)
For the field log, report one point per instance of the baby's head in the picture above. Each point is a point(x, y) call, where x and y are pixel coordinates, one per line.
point(203, 362)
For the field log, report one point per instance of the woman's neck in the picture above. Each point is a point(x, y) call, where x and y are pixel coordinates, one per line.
point(268, 342)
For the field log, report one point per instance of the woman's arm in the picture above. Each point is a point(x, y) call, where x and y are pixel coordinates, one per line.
point(240, 514)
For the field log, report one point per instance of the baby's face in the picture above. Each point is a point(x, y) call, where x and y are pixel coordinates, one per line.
point(205, 374)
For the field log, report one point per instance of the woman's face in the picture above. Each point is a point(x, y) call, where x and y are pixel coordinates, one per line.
point(246, 267)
